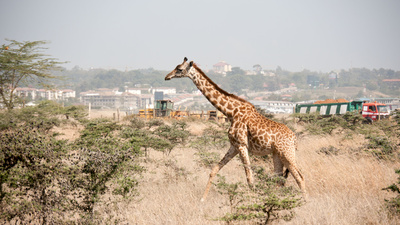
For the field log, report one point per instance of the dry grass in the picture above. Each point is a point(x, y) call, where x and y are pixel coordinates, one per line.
point(342, 189)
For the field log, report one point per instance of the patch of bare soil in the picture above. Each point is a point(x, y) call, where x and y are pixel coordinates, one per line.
point(69, 131)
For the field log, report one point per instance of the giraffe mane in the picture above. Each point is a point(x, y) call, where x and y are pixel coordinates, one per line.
point(217, 87)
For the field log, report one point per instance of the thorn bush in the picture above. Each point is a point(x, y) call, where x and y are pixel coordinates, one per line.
point(267, 201)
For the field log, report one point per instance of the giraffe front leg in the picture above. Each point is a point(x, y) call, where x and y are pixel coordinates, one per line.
point(228, 156)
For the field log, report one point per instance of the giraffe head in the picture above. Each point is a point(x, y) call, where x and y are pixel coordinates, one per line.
point(181, 70)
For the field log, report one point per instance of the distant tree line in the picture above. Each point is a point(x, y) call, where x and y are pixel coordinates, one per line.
point(235, 81)
point(24, 64)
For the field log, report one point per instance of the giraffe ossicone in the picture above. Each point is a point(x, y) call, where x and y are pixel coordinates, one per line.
point(249, 131)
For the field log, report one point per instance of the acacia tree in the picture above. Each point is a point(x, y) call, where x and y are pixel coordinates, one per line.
point(23, 63)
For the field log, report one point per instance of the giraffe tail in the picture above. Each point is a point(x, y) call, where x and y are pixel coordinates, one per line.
point(286, 174)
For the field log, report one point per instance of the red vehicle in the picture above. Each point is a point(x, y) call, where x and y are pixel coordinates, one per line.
point(375, 111)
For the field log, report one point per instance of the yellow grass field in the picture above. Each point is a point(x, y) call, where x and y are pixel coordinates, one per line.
point(345, 188)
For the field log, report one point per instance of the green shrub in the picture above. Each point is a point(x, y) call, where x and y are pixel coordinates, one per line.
point(380, 146)
point(266, 202)
point(146, 139)
point(207, 159)
point(330, 150)
point(31, 118)
point(99, 128)
point(137, 123)
point(31, 169)
point(265, 114)
point(79, 113)
point(44, 116)
point(307, 117)
point(174, 173)
point(47, 181)
point(175, 134)
point(155, 123)
point(393, 204)
point(212, 138)
point(317, 124)
point(105, 160)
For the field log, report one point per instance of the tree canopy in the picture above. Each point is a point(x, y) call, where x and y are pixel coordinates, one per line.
point(23, 63)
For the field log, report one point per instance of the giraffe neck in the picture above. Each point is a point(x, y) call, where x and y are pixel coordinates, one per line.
point(220, 99)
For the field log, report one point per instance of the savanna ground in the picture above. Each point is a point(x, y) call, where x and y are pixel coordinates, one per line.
point(344, 182)
point(343, 188)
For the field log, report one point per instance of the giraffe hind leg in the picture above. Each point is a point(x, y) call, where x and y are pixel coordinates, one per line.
point(278, 169)
point(289, 162)
point(297, 175)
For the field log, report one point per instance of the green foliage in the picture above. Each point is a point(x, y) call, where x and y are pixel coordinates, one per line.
point(146, 139)
point(44, 116)
point(306, 117)
point(137, 123)
point(175, 134)
point(99, 128)
point(317, 124)
point(155, 123)
point(104, 159)
point(31, 117)
point(380, 146)
point(267, 201)
point(31, 170)
point(206, 158)
point(235, 193)
point(383, 135)
point(324, 125)
point(264, 113)
point(79, 113)
point(393, 204)
point(23, 63)
point(212, 138)
point(174, 172)
point(47, 181)
point(330, 150)
point(155, 134)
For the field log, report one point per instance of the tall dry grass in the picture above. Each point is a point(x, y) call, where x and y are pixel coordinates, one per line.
point(345, 188)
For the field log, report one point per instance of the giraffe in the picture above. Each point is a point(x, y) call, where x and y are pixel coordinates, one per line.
point(249, 130)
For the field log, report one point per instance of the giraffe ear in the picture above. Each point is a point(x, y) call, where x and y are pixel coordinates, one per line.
point(185, 59)
point(191, 63)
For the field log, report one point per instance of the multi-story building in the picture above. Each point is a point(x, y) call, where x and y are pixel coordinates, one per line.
point(222, 67)
point(107, 98)
point(166, 90)
point(53, 94)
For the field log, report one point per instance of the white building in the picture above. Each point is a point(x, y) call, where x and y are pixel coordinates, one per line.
point(275, 106)
point(222, 67)
point(166, 90)
point(53, 94)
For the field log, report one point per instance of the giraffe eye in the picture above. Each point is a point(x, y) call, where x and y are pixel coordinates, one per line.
point(180, 70)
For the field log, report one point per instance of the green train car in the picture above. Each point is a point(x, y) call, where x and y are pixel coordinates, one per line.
point(330, 108)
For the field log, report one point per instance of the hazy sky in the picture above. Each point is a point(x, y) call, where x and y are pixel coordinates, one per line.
point(316, 35)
